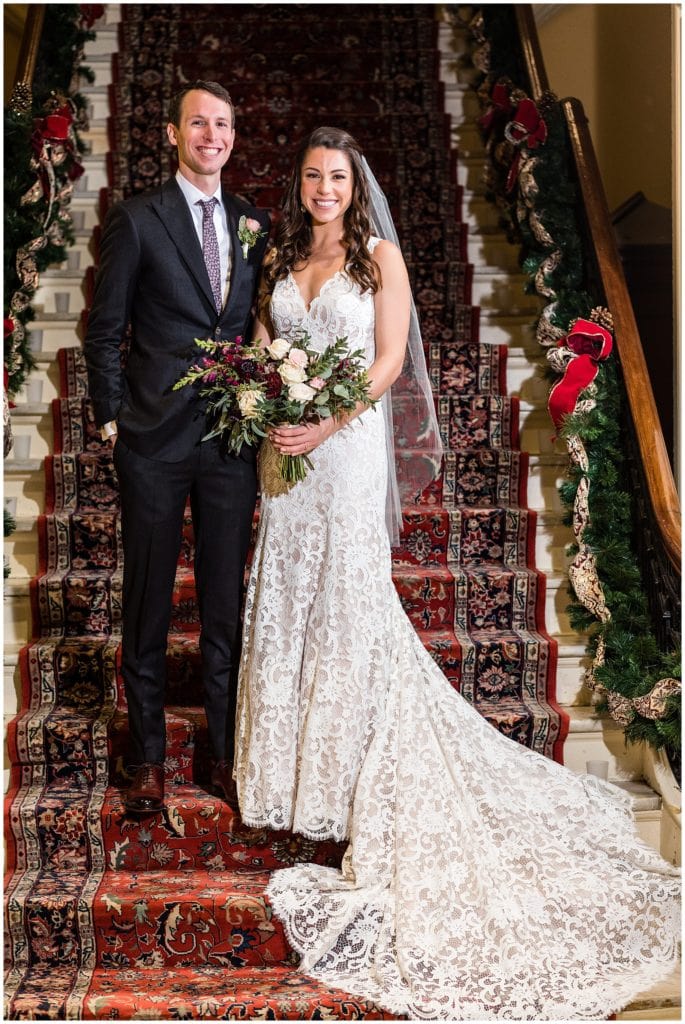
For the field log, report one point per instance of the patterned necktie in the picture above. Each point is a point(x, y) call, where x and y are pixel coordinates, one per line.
point(210, 249)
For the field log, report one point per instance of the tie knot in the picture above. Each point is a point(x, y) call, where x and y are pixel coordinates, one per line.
point(208, 206)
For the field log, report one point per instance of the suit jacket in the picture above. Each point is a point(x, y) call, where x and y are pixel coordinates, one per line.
point(152, 275)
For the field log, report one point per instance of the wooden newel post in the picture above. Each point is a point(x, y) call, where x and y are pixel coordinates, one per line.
point(20, 100)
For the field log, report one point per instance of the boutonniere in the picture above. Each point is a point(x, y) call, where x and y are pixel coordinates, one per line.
point(249, 230)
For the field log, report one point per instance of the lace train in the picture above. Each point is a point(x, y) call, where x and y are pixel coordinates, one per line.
point(482, 880)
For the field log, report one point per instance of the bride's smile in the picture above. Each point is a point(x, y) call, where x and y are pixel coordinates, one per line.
point(327, 183)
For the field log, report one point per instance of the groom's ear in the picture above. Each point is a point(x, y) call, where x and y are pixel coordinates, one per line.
point(171, 133)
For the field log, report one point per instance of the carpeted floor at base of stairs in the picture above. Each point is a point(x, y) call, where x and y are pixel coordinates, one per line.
point(165, 917)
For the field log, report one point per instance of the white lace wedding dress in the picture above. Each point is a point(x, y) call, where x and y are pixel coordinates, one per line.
point(481, 880)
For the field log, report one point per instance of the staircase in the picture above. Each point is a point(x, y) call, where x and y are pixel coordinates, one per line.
point(168, 918)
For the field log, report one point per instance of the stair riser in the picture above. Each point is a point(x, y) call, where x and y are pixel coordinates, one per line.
point(606, 743)
point(55, 334)
point(571, 689)
point(85, 214)
point(461, 104)
point(543, 487)
point(467, 140)
point(98, 137)
point(479, 214)
point(64, 296)
point(487, 289)
point(17, 624)
point(492, 250)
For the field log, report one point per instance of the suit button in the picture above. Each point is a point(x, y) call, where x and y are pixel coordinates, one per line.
point(217, 333)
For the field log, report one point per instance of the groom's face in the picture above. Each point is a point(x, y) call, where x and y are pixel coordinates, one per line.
point(204, 137)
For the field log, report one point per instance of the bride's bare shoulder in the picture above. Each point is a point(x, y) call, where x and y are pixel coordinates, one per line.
point(388, 257)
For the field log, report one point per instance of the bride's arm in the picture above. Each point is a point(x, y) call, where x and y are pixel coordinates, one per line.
point(262, 328)
point(391, 304)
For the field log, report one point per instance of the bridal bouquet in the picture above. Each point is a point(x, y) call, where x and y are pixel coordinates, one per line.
point(253, 387)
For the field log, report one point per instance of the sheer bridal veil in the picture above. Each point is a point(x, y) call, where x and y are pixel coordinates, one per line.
point(414, 446)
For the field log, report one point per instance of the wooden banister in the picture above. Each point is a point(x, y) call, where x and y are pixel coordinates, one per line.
point(663, 496)
point(532, 54)
point(28, 54)
point(655, 462)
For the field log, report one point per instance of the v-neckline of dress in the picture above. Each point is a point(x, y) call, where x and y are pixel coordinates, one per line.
point(322, 289)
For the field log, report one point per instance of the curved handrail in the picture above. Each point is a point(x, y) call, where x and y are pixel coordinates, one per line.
point(663, 495)
point(530, 46)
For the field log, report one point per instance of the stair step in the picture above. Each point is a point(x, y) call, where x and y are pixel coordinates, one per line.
point(595, 737)
point(662, 1002)
point(201, 992)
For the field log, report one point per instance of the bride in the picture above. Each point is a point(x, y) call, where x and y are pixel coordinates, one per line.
point(481, 879)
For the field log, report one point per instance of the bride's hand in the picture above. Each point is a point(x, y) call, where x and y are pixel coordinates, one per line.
point(302, 439)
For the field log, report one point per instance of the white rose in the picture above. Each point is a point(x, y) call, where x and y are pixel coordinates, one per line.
point(301, 392)
point(296, 357)
point(248, 402)
point(292, 374)
point(278, 348)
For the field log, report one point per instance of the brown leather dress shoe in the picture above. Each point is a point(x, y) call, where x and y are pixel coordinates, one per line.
point(224, 785)
point(145, 795)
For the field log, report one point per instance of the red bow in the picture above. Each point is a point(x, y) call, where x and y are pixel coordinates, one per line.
point(500, 106)
point(90, 13)
point(589, 344)
point(526, 129)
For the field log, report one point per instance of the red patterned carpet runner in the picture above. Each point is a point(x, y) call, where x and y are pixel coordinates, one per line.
point(108, 917)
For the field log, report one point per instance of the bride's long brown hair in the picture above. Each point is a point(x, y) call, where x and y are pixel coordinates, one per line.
point(293, 239)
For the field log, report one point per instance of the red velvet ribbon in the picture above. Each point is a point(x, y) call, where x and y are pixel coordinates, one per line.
point(500, 107)
point(590, 344)
point(8, 328)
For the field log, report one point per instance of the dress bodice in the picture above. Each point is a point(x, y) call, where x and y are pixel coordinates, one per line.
point(340, 310)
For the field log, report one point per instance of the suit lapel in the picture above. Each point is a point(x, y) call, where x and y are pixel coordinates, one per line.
point(238, 266)
point(172, 209)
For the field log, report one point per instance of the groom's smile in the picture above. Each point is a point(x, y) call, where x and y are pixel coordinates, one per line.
point(204, 137)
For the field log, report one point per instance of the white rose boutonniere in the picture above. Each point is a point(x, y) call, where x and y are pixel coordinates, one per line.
point(249, 230)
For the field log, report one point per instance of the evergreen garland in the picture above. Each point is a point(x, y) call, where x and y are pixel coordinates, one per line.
point(543, 213)
point(57, 65)
point(25, 222)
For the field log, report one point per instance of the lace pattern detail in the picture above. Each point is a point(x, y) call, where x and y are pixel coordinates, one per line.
point(481, 879)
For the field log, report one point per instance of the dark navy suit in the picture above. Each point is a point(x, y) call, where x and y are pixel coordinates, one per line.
point(152, 275)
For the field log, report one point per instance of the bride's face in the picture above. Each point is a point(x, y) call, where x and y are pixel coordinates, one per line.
point(327, 183)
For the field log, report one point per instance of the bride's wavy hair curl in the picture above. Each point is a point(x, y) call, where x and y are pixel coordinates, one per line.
point(293, 239)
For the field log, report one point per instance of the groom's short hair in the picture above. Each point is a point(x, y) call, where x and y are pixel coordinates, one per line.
point(212, 87)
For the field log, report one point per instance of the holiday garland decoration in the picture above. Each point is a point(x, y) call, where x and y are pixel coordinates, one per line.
point(530, 178)
point(42, 162)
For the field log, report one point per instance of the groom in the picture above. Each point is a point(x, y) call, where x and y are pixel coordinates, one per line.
point(173, 267)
